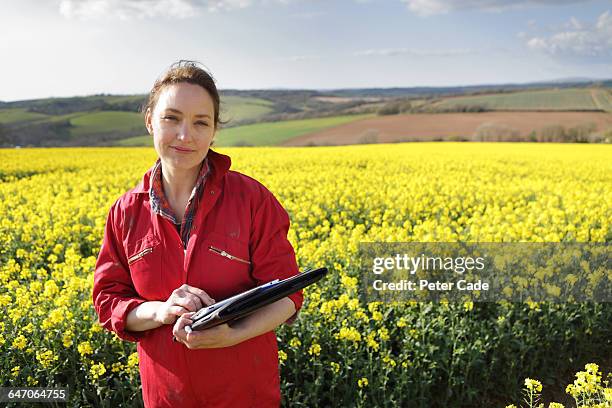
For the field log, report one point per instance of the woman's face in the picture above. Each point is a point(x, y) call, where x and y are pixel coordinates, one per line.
point(182, 125)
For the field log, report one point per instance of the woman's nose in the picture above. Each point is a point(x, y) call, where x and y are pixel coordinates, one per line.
point(184, 133)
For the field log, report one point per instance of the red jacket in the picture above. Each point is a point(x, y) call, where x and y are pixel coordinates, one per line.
point(142, 259)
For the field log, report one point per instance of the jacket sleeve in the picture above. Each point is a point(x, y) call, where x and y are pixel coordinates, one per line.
point(114, 295)
point(272, 256)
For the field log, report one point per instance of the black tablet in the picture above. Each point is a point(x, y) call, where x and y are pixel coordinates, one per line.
point(249, 301)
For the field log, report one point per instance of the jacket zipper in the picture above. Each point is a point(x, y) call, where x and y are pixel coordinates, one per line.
point(228, 256)
point(139, 255)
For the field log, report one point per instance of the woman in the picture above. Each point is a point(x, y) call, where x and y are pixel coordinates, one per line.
point(191, 232)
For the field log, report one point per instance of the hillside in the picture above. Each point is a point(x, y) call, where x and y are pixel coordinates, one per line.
point(263, 117)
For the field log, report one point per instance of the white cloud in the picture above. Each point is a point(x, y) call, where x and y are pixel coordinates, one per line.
point(574, 23)
point(430, 7)
point(141, 9)
point(390, 52)
point(126, 9)
point(578, 39)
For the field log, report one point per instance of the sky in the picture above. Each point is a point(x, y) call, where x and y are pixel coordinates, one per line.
point(57, 48)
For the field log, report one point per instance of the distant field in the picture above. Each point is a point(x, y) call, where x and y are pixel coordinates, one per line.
point(562, 99)
point(269, 134)
point(112, 99)
point(334, 119)
point(94, 126)
point(144, 140)
point(237, 108)
point(234, 108)
point(445, 126)
point(105, 122)
point(603, 98)
point(19, 115)
point(263, 134)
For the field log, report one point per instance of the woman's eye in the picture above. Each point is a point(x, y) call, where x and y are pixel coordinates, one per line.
point(202, 123)
point(169, 117)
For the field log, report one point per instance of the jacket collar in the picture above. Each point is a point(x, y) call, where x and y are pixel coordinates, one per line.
point(220, 164)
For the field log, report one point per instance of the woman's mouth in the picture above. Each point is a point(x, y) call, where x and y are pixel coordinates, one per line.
point(182, 149)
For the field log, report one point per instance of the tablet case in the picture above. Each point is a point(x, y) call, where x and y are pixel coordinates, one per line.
point(247, 302)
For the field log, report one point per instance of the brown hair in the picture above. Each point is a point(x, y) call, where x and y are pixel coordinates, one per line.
point(190, 72)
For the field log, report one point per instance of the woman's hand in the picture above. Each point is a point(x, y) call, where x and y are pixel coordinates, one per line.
point(183, 299)
point(215, 337)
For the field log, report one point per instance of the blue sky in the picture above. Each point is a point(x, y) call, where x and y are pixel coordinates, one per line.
point(82, 47)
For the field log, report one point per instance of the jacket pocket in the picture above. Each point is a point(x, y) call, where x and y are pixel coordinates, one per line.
point(227, 255)
point(145, 263)
point(224, 266)
point(140, 255)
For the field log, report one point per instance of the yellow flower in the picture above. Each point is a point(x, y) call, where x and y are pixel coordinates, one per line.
point(362, 382)
point(51, 289)
point(335, 367)
point(348, 333)
point(556, 405)
point(370, 342)
point(591, 368)
point(353, 304)
point(534, 306)
point(361, 315)
point(85, 348)
point(20, 342)
point(282, 356)
point(15, 371)
point(295, 342)
point(348, 282)
point(327, 309)
point(97, 370)
point(67, 338)
point(389, 361)
point(5, 300)
point(46, 357)
point(132, 360)
point(533, 385)
point(373, 306)
point(383, 334)
point(315, 349)
point(468, 306)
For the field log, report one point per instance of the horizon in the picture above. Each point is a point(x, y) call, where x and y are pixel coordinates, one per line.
point(545, 82)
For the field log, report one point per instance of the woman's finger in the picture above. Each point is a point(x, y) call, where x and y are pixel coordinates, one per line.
point(179, 327)
point(188, 302)
point(176, 310)
point(203, 296)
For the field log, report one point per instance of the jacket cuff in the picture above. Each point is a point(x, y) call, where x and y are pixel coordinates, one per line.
point(297, 299)
point(119, 319)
